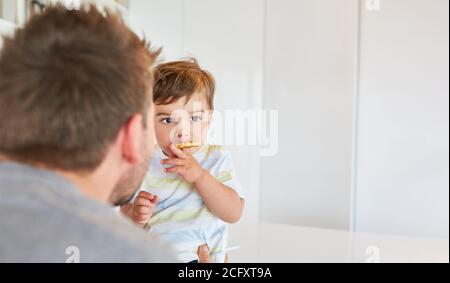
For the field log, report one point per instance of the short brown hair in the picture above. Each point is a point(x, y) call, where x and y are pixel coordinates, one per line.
point(181, 79)
point(69, 80)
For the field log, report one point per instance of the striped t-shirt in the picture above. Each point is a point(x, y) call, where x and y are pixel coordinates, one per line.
point(181, 217)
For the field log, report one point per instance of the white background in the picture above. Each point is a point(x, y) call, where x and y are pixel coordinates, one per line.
point(402, 161)
point(362, 97)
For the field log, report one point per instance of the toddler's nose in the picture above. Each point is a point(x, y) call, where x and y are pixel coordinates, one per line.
point(183, 136)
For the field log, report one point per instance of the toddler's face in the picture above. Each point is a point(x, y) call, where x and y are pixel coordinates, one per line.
point(182, 122)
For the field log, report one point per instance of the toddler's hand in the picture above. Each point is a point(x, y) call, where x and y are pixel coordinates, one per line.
point(185, 165)
point(142, 209)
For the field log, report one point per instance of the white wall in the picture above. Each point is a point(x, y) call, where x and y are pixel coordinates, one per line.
point(6, 28)
point(8, 10)
point(162, 22)
point(384, 170)
point(221, 36)
point(402, 164)
point(229, 38)
point(7, 18)
point(300, 57)
point(310, 77)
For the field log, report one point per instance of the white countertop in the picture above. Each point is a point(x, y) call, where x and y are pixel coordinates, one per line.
point(267, 242)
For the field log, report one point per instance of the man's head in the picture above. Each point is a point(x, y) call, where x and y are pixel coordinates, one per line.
point(76, 96)
point(184, 101)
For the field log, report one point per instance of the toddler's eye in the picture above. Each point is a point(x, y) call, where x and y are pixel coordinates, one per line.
point(196, 118)
point(167, 121)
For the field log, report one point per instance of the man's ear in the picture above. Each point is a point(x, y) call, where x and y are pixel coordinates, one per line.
point(133, 134)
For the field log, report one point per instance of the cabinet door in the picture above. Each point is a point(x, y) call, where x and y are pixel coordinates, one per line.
point(310, 59)
point(403, 133)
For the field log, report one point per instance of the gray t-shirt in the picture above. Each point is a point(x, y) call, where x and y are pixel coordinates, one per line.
point(44, 218)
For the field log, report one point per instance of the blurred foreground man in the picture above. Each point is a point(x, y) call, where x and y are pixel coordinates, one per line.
point(76, 137)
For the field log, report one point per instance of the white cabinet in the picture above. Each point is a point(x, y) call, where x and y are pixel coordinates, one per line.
point(362, 95)
point(403, 132)
point(227, 37)
point(6, 28)
point(15, 12)
point(12, 11)
point(310, 74)
point(8, 10)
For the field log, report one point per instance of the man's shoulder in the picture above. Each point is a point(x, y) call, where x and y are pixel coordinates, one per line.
point(44, 223)
point(43, 232)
